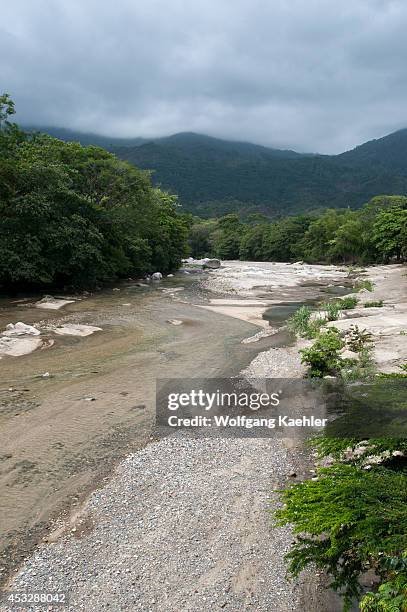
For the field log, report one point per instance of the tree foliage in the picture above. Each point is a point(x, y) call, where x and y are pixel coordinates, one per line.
point(376, 233)
point(347, 521)
point(73, 215)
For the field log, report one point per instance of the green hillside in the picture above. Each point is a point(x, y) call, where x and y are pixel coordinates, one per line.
point(389, 152)
point(214, 176)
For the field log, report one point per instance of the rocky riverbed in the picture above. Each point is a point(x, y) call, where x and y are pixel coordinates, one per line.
point(183, 524)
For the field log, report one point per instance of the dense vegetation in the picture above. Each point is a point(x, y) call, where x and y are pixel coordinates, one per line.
point(352, 516)
point(214, 177)
point(74, 216)
point(376, 233)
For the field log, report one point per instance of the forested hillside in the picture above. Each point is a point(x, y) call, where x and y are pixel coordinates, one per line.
point(213, 177)
point(389, 152)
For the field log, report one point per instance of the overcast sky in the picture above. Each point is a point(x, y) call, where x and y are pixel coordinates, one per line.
point(305, 74)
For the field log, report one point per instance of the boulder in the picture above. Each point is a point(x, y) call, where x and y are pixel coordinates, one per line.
point(73, 329)
point(156, 276)
point(207, 262)
point(49, 302)
point(16, 347)
point(347, 354)
point(21, 329)
point(213, 264)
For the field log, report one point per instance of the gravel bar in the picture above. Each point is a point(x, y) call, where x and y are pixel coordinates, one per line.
point(182, 525)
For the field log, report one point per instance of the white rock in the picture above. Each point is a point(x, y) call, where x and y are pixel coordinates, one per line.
point(213, 264)
point(16, 347)
point(71, 329)
point(21, 329)
point(50, 303)
point(346, 354)
point(156, 276)
point(206, 262)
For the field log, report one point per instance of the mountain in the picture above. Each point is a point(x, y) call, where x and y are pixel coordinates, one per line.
point(86, 138)
point(213, 176)
point(389, 152)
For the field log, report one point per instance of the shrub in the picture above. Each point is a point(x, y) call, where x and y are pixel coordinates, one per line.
point(346, 522)
point(356, 339)
point(363, 284)
point(348, 302)
point(391, 595)
point(377, 304)
point(322, 357)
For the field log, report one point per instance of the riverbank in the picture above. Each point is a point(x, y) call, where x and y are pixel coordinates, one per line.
point(183, 523)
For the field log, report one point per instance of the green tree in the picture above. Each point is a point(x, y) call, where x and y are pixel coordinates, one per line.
point(73, 215)
point(349, 243)
point(228, 236)
point(390, 232)
point(317, 241)
point(201, 237)
point(6, 109)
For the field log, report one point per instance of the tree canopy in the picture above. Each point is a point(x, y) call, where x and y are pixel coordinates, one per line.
point(375, 233)
point(73, 215)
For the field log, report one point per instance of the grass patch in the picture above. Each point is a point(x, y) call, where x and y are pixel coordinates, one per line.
point(377, 304)
point(314, 328)
point(363, 284)
point(362, 369)
point(301, 324)
point(299, 321)
point(348, 302)
point(331, 310)
point(402, 374)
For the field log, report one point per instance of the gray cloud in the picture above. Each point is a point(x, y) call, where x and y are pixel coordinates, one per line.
point(306, 74)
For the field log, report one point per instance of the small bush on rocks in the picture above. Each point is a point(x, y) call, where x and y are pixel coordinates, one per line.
point(322, 357)
point(363, 284)
point(357, 339)
point(299, 321)
point(348, 302)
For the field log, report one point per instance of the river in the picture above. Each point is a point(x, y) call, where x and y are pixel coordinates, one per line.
point(61, 435)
